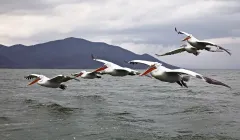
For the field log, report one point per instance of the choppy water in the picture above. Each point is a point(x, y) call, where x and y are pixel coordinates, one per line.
point(119, 108)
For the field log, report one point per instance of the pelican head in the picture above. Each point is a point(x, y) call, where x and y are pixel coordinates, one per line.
point(151, 68)
point(81, 73)
point(34, 81)
point(101, 68)
point(187, 38)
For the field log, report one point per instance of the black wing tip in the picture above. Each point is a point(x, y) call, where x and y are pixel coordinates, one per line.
point(215, 82)
point(27, 77)
point(177, 30)
point(161, 54)
point(227, 86)
point(226, 50)
point(229, 53)
point(130, 62)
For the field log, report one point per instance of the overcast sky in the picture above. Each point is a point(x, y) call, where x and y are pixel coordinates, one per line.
point(142, 26)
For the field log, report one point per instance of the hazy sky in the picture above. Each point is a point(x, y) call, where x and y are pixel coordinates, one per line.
point(142, 26)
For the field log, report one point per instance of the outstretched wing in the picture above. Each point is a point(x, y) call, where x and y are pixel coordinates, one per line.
point(179, 50)
point(199, 76)
point(131, 71)
point(149, 63)
point(212, 44)
point(107, 63)
point(62, 78)
point(181, 32)
point(75, 74)
point(33, 76)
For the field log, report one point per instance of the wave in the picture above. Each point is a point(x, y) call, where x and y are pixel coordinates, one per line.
point(29, 101)
point(195, 92)
point(199, 137)
point(199, 109)
point(4, 119)
point(122, 118)
point(91, 97)
point(195, 109)
point(122, 113)
point(60, 108)
point(50, 105)
point(236, 93)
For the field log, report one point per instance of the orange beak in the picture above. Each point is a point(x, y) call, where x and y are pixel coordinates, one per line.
point(151, 68)
point(33, 82)
point(79, 74)
point(101, 68)
point(188, 37)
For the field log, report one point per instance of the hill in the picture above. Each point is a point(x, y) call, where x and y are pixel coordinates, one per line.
point(69, 53)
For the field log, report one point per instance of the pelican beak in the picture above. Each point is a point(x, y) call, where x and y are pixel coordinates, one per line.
point(188, 37)
point(101, 68)
point(151, 68)
point(33, 82)
point(79, 74)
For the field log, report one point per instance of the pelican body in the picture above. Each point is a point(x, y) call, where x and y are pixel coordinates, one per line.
point(201, 45)
point(87, 75)
point(179, 76)
point(55, 82)
point(114, 69)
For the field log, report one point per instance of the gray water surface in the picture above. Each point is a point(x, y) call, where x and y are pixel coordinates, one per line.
point(119, 108)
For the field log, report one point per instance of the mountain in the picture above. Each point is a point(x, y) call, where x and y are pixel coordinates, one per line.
point(69, 53)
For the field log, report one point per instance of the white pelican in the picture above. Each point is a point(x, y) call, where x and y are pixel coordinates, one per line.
point(114, 69)
point(87, 75)
point(200, 45)
point(55, 82)
point(179, 76)
point(186, 47)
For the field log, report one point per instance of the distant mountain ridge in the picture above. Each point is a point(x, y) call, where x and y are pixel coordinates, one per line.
point(68, 53)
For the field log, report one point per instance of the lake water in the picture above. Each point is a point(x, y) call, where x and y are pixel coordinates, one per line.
point(119, 108)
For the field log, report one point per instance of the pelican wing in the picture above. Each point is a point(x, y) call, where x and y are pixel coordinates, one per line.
point(33, 76)
point(131, 71)
point(57, 79)
point(212, 44)
point(93, 73)
point(179, 50)
point(75, 74)
point(107, 63)
point(121, 70)
point(199, 76)
point(104, 61)
point(181, 32)
point(62, 78)
point(149, 63)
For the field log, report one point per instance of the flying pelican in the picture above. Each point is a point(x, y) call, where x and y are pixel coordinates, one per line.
point(87, 75)
point(179, 76)
point(200, 45)
point(187, 48)
point(55, 82)
point(114, 69)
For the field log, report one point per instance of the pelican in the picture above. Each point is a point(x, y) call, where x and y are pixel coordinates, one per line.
point(114, 69)
point(87, 75)
point(188, 48)
point(201, 45)
point(179, 76)
point(55, 82)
